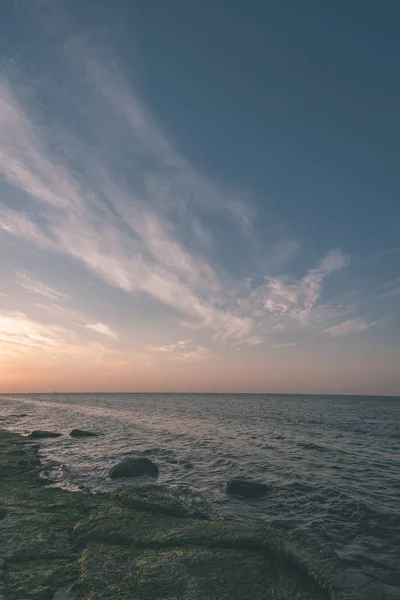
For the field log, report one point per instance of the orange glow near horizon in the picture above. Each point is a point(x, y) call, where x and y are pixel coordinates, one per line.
point(30, 374)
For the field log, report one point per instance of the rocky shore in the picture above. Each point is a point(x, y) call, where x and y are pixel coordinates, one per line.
point(139, 543)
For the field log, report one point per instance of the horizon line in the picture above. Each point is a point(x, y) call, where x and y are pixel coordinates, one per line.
point(203, 394)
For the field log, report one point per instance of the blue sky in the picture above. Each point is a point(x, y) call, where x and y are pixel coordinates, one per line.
point(199, 196)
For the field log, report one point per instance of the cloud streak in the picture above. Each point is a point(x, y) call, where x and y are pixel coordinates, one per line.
point(184, 350)
point(355, 325)
point(39, 288)
point(125, 239)
point(22, 336)
point(19, 333)
point(104, 329)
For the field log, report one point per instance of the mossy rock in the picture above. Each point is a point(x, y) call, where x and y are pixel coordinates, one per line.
point(186, 574)
point(141, 542)
point(179, 501)
point(174, 547)
point(39, 579)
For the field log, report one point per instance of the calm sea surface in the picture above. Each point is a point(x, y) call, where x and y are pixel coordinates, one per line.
point(332, 464)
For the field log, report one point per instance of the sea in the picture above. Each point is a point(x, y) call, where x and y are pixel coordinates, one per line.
point(331, 463)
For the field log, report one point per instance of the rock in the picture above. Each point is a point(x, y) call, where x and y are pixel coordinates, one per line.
point(178, 501)
point(82, 433)
point(246, 488)
point(64, 594)
point(134, 467)
point(45, 593)
point(34, 447)
point(35, 462)
point(139, 542)
point(37, 433)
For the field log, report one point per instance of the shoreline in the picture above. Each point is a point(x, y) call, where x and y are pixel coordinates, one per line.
point(147, 542)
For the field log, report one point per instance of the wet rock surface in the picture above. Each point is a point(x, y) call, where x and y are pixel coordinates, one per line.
point(144, 542)
point(82, 433)
point(39, 434)
point(134, 467)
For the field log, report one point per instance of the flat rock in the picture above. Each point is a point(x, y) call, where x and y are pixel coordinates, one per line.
point(179, 501)
point(38, 433)
point(134, 467)
point(82, 433)
point(246, 488)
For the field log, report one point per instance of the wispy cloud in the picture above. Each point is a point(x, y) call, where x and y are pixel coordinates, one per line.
point(18, 333)
point(195, 354)
point(255, 340)
point(124, 213)
point(37, 287)
point(298, 300)
point(104, 329)
point(17, 224)
point(179, 345)
point(184, 350)
point(284, 345)
point(126, 238)
point(385, 253)
point(355, 325)
point(22, 335)
point(390, 289)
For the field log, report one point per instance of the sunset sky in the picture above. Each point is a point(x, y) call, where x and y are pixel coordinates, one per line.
point(199, 196)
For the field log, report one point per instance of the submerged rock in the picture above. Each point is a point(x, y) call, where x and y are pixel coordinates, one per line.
point(82, 433)
point(134, 467)
point(38, 433)
point(246, 488)
point(179, 501)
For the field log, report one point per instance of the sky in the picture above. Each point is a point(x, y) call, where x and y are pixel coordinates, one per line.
point(200, 196)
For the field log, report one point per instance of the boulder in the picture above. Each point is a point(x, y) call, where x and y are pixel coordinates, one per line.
point(37, 433)
point(82, 433)
point(134, 467)
point(246, 488)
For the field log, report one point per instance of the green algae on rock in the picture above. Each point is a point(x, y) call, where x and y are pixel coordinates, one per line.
point(176, 501)
point(141, 542)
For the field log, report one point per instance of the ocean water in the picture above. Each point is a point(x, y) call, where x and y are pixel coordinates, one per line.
point(332, 465)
